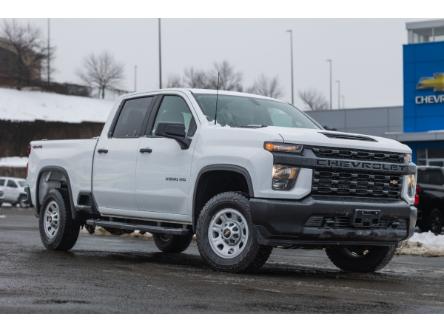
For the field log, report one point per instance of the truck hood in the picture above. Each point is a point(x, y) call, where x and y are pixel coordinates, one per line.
point(319, 137)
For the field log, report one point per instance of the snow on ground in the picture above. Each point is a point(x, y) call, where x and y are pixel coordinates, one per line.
point(13, 162)
point(423, 244)
point(36, 105)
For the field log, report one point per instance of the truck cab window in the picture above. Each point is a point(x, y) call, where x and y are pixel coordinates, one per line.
point(174, 109)
point(131, 117)
point(2, 182)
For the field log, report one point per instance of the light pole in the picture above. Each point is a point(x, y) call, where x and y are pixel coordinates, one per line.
point(48, 54)
point(330, 64)
point(339, 93)
point(343, 101)
point(291, 62)
point(135, 77)
point(159, 26)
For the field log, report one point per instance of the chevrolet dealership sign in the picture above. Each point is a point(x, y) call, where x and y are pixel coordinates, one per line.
point(435, 83)
point(424, 87)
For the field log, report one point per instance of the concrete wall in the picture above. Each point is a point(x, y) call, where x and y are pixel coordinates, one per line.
point(372, 121)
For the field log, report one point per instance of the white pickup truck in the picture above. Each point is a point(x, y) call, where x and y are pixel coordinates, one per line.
point(245, 173)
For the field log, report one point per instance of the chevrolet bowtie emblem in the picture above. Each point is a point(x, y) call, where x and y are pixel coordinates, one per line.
point(394, 182)
point(435, 82)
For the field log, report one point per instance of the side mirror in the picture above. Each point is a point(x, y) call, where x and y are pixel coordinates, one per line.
point(174, 131)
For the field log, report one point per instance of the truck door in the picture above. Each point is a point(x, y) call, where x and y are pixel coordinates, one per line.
point(115, 158)
point(163, 168)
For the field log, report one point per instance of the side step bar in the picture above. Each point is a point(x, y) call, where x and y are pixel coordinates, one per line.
point(141, 227)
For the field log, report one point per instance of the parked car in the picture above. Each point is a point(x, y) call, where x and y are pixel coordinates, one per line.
point(430, 199)
point(245, 173)
point(12, 191)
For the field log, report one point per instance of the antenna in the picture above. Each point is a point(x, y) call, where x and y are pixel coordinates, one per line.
point(217, 97)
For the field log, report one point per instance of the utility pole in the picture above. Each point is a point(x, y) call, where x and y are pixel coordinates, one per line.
point(291, 63)
point(339, 93)
point(135, 77)
point(49, 52)
point(330, 63)
point(343, 101)
point(159, 24)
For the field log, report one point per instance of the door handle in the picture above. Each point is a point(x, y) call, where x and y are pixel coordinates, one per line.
point(145, 150)
point(102, 151)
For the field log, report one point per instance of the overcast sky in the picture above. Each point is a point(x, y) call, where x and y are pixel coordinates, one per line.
point(366, 53)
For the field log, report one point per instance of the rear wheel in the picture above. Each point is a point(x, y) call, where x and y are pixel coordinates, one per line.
point(226, 236)
point(435, 221)
point(58, 230)
point(172, 243)
point(361, 259)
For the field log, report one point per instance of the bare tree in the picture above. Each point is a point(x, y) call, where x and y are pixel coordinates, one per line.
point(266, 86)
point(194, 78)
point(174, 82)
point(26, 43)
point(229, 79)
point(313, 99)
point(101, 72)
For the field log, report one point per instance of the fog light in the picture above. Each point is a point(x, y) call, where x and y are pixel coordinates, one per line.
point(284, 177)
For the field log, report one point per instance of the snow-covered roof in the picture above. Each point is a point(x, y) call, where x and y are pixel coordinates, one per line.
point(22, 105)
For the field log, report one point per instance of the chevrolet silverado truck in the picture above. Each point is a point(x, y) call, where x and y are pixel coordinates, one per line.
point(244, 173)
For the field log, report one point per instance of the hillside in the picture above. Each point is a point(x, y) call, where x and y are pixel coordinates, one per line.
point(19, 105)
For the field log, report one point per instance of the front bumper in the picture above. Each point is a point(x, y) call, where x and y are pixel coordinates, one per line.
point(322, 221)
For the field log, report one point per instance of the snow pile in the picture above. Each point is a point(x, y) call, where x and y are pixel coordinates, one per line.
point(13, 162)
point(36, 105)
point(423, 244)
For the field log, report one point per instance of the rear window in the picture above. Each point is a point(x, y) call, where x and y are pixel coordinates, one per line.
point(131, 116)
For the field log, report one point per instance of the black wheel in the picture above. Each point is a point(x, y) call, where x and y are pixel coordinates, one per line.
point(360, 258)
point(58, 230)
point(23, 202)
point(435, 221)
point(226, 236)
point(172, 243)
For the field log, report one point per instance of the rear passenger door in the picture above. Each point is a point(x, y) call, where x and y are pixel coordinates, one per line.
point(116, 155)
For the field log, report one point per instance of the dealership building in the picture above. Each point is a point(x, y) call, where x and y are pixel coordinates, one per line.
point(419, 123)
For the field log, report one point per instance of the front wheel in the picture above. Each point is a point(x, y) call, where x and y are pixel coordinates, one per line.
point(361, 259)
point(23, 201)
point(172, 243)
point(58, 230)
point(226, 237)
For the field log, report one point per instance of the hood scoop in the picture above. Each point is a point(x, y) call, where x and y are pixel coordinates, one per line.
point(343, 136)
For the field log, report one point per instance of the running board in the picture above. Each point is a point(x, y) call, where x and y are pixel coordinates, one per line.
point(141, 227)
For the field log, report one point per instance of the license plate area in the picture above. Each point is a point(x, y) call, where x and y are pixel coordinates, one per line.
point(366, 218)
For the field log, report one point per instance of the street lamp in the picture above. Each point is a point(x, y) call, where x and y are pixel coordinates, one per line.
point(339, 93)
point(330, 63)
point(291, 62)
point(159, 28)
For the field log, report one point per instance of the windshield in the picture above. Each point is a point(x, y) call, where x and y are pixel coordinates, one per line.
point(246, 111)
point(22, 183)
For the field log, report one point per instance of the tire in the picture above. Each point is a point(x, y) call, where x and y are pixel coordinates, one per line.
point(435, 221)
point(172, 243)
point(361, 259)
point(22, 201)
point(232, 246)
point(59, 233)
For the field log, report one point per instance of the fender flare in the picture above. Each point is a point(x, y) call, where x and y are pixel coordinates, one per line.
point(68, 184)
point(221, 167)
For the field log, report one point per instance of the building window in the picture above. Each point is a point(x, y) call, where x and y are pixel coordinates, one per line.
point(430, 156)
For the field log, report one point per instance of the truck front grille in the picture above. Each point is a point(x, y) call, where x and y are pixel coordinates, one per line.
point(357, 154)
point(357, 184)
point(343, 221)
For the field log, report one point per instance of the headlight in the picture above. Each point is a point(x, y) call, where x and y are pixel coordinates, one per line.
point(276, 147)
point(411, 186)
point(407, 158)
point(284, 177)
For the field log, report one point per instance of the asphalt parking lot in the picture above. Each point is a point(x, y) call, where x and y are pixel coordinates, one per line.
point(110, 274)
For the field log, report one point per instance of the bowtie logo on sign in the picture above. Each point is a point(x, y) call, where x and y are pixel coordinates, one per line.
point(435, 83)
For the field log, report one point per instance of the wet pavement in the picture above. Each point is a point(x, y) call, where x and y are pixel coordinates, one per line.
point(110, 274)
